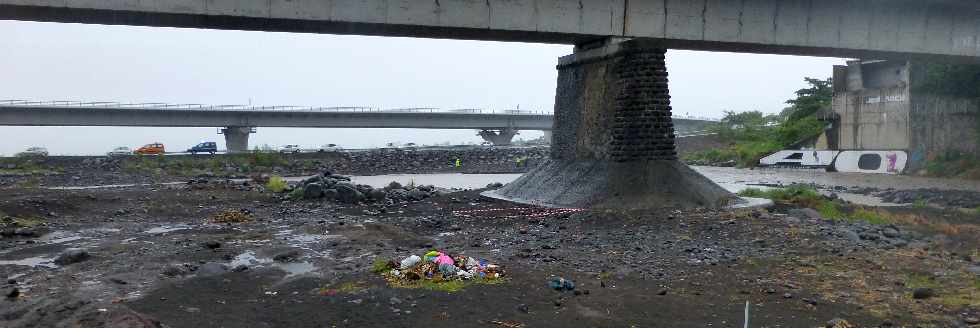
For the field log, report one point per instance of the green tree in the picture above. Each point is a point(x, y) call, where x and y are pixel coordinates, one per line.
point(819, 95)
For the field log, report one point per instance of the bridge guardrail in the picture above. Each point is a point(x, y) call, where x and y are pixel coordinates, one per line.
point(289, 108)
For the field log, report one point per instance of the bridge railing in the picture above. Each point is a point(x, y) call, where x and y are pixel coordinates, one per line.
point(285, 108)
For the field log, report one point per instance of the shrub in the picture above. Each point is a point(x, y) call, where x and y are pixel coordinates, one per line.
point(276, 184)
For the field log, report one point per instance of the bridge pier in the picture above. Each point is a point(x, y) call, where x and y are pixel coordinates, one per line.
point(502, 137)
point(236, 138)
point(613, 138)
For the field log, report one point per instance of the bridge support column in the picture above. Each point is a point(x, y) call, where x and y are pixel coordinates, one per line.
point(236, 138)
point(502, 137)
point(547, 137)
point(613, 139)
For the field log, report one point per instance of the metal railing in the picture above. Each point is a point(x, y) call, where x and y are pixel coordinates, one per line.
point(285, 108)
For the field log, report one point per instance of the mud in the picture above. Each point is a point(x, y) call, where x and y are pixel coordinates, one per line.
point(157, 260)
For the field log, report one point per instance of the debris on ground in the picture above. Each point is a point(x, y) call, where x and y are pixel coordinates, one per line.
point(437, 267)
point(232, 216)
point(561, 284)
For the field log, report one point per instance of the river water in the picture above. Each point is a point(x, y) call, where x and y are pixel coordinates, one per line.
point(733, 179)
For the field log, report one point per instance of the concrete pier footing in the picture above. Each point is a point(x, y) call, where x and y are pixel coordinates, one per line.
point(236, 138)
point(502, 137)
point(613, 139)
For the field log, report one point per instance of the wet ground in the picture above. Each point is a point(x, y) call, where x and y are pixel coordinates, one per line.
point(154, 257)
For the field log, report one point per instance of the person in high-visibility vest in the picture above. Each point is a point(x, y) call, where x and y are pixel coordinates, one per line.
point(458, 163)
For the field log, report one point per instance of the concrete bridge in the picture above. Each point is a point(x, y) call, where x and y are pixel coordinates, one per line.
point(239, 120)
point(841, 28)
point(613, 134)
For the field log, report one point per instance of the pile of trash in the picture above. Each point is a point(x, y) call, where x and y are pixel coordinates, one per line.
point(437, 267)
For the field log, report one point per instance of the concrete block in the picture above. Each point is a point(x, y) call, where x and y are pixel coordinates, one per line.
point(824, 26)
point(247, 8)
point(685, 19)
point(302, 9)
point(645, 19)
point(361, 11)
point(966, 27)
point(885, 20)
point(513, 15)
point(601, 17)
point(413, 12)
point(939, 30)
point(758, 21)
point(912, 29)
point(559, 16)
point(791, 21)
point(721, 21)
point(465, 13)
point(855, 24)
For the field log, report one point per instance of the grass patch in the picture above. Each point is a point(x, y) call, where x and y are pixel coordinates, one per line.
point(448, 286)
point(920, 204)
point(799, 195)
point(917, 280)
point(869, 216)
point(276, 184)
point(381, 266)
point(805, 196)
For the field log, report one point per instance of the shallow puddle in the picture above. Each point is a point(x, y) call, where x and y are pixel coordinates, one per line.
point(37, 261)
point(168, 228)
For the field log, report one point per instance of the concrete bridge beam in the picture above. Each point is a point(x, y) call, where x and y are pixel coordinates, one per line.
point(502, 137)
point(613, 138)
point(236, 138)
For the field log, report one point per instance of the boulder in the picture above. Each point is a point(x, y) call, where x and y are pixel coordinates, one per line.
point(347, 193)
point(330, 194)
point(313, 191)
point(378, 195)
point(71, 256)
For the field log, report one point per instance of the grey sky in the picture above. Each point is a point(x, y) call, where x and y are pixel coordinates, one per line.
point(48, 61)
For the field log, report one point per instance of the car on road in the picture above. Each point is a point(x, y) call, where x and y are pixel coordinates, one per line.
point(150, 149)
point(205, 147)
point(34, 152)
point(330, 148)
point(289, 149)
point(119, 151)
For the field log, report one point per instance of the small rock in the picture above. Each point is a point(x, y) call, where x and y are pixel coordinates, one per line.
point(286, 256)
point(174, 270)
point(837, 323)
point(212, 244)
point(558, 303)
point(394, 301)
point(787, 295)
point(240, 268)
point(523, 308)
point(923, 293)
point(890, 232)
point(971, 320)
point(72, 255)
point(12, 293)
point(662, 292)
point(118, 281)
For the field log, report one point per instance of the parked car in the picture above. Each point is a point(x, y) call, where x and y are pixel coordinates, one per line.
point(289, 149)
point(119, 151)
point(330, 148)
point(150, 149)
point(205, 147)
point(34, 152)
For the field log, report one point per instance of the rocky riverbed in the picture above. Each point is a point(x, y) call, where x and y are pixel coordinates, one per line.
point(234, 254)
point(102, 170)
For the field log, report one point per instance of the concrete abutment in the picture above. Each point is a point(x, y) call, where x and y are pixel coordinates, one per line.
point(613, 137)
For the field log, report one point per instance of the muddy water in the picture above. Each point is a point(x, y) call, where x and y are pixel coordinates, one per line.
point(735, 177)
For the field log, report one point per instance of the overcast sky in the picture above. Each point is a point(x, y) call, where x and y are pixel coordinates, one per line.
point(49, 61)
